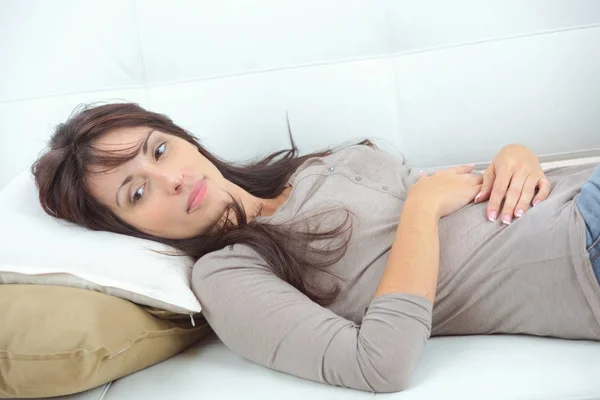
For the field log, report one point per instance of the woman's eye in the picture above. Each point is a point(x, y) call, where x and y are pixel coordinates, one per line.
point(137, 195)
point(160, 150)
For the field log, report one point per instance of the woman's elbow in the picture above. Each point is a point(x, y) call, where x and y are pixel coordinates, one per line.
point(390, 373)
point(395, 382)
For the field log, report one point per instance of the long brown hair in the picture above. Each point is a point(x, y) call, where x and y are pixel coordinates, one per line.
point(60, 174)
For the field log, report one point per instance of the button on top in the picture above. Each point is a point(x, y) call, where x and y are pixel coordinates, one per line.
point(331, 169)
point(385, 188)
point(358, 178)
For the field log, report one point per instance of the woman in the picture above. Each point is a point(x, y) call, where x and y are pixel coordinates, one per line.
point(338, 266)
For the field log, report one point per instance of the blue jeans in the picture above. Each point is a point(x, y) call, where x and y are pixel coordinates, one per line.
point(588, 202)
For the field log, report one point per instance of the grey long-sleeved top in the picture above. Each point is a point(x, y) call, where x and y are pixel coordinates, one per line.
point(532, 277)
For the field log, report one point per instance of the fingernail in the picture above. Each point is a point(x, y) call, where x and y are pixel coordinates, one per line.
point(472, 165)
point(519, 213)
point(535, 203)
point(506, 219)
point(477, 197)
point(493, 215)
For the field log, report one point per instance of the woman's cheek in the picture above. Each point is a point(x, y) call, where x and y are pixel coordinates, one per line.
point(159, 212)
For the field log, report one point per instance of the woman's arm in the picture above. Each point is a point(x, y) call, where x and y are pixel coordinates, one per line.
point(414, 259)
point(269, 322)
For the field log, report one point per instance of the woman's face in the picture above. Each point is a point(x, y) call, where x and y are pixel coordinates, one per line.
point(169, 189)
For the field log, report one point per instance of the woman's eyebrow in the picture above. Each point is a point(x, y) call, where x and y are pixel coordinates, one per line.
point(145, 145)
point(130, 177)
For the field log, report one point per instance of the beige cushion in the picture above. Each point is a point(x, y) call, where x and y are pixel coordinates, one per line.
point(60, 340)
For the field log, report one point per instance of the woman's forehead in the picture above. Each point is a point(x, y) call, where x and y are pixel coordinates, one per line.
point(121, 148)
point(121, 138)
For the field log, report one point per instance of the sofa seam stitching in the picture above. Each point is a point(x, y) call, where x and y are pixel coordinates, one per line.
point(311, 65)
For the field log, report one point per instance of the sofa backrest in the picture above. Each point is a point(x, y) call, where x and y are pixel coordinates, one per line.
point(443, 82)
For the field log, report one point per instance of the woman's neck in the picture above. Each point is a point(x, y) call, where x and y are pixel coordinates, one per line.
point(270, 206)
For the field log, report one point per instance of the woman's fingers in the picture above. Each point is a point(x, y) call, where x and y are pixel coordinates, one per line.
point(489, 176)
point(517, 191)
point(478, 181)
point(498, 192)
point(544, 190)
point(514, 193)
point(464, 169)
point(477, 187)
point(526, 195)
point(461, 169)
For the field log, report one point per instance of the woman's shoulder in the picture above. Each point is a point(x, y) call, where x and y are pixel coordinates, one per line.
point(236, 256)
point(370, 153)
point(353, 158)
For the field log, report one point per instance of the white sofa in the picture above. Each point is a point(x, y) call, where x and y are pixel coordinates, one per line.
point(444, 82)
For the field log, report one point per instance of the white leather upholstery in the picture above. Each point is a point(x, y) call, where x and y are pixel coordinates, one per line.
point(443, 82)
point(470, 368)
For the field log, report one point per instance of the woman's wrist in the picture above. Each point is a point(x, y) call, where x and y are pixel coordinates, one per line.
point(424, 207)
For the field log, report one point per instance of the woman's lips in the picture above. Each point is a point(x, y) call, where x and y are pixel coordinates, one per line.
point(196, 195)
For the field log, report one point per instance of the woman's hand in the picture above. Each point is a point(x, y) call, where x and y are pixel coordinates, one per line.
point(515, 173)
point(447, 190)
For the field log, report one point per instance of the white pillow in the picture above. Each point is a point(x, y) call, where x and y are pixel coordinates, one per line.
point(36, 248)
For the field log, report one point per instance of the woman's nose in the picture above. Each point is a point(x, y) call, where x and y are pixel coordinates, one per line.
point(172, 182)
